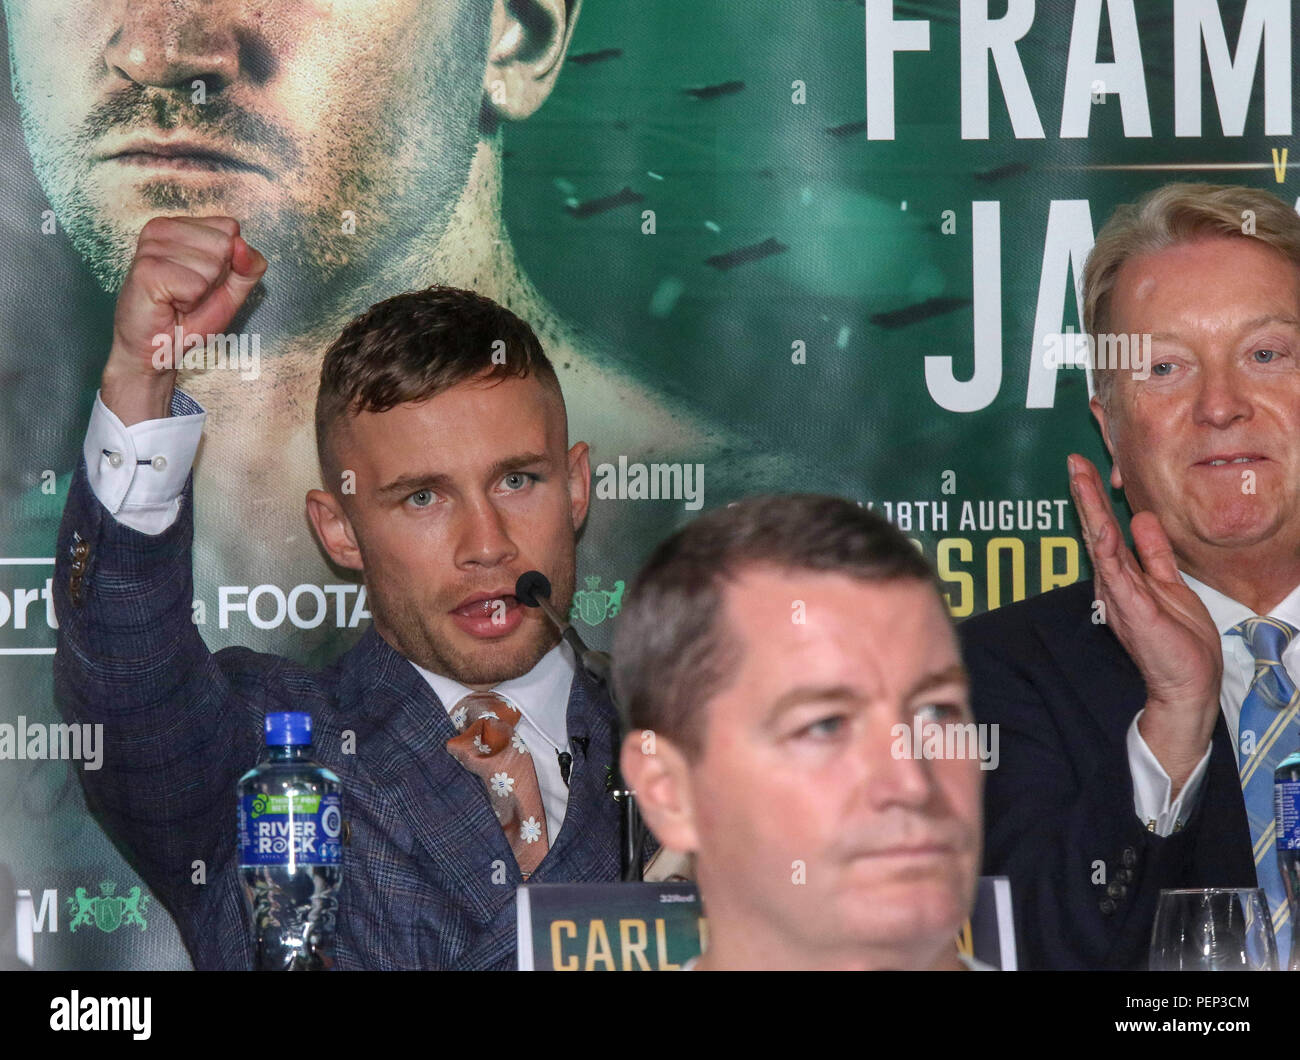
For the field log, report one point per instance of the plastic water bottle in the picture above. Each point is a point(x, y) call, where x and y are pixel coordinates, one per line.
point(1286, 812)
point(291, 855)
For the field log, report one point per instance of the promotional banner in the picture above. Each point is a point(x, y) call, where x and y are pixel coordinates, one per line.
point(825, 246)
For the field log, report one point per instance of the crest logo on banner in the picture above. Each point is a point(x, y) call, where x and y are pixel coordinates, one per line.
point(594, 604)
point(107, 911)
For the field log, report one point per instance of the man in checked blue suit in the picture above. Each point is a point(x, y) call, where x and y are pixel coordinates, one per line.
point(1143, 713)
point(442, 438)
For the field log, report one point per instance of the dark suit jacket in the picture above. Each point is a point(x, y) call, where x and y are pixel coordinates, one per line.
point(429, 878)
point(1058, 809)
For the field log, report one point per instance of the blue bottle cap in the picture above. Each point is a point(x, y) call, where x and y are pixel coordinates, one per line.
point(288, 729)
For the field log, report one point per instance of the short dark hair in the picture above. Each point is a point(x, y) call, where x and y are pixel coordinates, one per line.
point(673, 651)
point(414, 346)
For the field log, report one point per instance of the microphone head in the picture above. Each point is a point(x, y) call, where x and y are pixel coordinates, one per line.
point(532, 584)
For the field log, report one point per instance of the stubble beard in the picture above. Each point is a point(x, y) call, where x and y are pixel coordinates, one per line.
point(418, 637)
point(302, 235)
point(314, 260)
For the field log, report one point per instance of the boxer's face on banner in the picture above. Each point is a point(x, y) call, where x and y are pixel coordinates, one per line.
point(456, 497)
point(804, 817)
point(285, 114)
point(1224, 384)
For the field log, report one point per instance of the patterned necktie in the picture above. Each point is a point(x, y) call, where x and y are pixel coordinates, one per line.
point(1267, 732)
point(489, 747)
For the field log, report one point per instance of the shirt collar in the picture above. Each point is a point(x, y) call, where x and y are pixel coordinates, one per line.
point(1226, 612)
point(541, 695)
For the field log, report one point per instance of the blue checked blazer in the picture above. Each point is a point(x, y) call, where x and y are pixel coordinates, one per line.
point(428, 876)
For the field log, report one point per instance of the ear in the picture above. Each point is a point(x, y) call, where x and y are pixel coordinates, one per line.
point(579, 482)
point(1102, 417)
point(334, 529)
point(529, 39)
point(662, 782)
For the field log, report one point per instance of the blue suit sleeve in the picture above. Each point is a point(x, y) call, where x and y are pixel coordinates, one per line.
point(180, 724)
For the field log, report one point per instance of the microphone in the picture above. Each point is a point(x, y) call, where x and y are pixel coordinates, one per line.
point(531, 585)
point(533, 589)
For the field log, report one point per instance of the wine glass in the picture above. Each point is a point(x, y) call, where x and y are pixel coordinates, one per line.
point(1214, 929)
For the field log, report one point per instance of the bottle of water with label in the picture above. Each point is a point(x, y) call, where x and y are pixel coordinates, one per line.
point(1286, 812)
point(291, 855)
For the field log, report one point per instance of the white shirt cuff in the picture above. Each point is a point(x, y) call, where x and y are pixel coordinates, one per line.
point(138, 473)
point(1152, 785)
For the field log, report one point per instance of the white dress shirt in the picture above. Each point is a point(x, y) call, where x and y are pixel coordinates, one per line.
point(1151, 784)
point(139, 472)
point(143, 496)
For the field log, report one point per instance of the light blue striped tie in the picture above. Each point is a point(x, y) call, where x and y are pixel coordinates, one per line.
point(1267, 732)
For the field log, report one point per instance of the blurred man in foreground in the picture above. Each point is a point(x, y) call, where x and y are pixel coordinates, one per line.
point(777, 657)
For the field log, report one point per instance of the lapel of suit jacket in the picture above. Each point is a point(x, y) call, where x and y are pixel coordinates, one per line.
point(587, 846)
point(409, 769)
point(586, 849)
point(1089, 650)
point(1223, 766)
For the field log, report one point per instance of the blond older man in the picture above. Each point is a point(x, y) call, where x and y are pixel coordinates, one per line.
point(1142, 712)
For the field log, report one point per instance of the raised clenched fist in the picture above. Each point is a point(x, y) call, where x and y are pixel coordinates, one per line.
point(191, 272)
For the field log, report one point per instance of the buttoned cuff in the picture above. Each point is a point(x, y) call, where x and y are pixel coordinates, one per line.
point(139, 472)
point(1152, 785)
